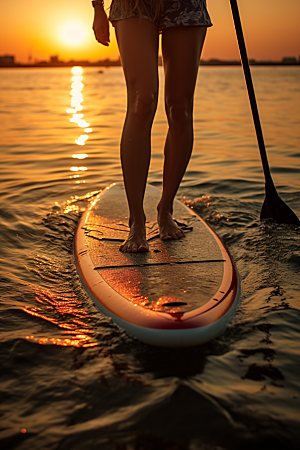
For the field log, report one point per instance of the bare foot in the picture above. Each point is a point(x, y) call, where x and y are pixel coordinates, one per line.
point(168, 229)
point(136, 241)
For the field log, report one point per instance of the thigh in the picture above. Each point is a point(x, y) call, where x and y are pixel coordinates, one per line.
point(138, 44)
point(181, 49)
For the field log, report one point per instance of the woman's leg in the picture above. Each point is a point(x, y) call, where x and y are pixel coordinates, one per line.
point(181, 48)
point(138, 45)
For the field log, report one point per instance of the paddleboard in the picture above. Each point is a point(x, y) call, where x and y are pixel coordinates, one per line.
point(181, 293)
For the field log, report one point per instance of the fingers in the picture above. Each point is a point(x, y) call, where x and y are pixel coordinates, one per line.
point(101, 28)
point(102, 36)
point(102, 39)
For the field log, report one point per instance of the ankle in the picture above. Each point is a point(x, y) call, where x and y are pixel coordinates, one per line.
point(165, 208)
point(137, 220)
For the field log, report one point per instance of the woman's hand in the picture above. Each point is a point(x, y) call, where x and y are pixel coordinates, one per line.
point(101, 26)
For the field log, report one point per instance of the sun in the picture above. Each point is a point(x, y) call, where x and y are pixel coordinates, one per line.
point(73, 34)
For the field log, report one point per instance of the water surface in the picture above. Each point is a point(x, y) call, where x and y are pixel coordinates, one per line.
point(70, 378)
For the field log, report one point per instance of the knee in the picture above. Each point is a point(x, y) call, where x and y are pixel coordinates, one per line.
point(143, 105)
point(179, 112)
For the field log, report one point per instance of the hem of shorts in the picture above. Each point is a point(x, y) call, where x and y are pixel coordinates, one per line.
point(171, 25)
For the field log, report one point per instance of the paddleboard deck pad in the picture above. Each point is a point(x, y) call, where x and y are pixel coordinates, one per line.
point(181, 293)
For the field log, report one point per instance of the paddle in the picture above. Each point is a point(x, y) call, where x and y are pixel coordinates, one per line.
point(273, 206)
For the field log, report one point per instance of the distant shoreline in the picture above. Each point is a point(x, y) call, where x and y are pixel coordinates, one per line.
point(109, 63)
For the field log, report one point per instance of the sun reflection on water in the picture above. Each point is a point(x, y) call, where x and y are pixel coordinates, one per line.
point(77, 169)
point(77, 342)
point(78, 117)
point(65, 313)
point(80, 155)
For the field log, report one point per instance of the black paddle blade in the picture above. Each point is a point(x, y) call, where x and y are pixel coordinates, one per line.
point(275, 208)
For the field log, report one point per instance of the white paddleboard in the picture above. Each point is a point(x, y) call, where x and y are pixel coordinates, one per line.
point(180, 293)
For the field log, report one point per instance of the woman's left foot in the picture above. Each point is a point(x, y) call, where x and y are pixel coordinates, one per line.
point(168, 229)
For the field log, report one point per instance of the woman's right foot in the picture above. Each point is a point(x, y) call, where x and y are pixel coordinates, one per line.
point(136, 241)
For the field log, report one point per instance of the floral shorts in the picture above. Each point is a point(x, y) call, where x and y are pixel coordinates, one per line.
point(175, 13)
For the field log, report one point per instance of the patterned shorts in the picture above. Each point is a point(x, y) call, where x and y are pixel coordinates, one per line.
point(175, 13)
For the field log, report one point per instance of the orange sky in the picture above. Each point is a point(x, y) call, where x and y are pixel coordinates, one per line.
point(44, 27)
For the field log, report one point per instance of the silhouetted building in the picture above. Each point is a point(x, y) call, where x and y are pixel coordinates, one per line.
point(54, 59)
point(289, 60)
point(7, 60)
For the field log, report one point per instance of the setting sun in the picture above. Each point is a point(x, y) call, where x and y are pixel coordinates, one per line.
point(73, 34)
point(65, 29)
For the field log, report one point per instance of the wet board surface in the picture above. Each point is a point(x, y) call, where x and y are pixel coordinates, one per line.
point(179, 293)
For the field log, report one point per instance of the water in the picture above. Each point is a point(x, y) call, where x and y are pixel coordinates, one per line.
point(70, 378)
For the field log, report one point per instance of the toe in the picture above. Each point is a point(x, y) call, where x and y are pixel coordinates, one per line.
point(180, 234)
point(134, 248)
point(143, 248)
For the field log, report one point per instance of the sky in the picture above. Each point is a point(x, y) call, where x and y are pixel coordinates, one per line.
point(35, 29)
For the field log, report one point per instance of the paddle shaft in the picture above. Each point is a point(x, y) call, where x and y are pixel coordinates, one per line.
point(251, 94)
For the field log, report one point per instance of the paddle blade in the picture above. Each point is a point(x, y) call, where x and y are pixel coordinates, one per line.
point(275, 208)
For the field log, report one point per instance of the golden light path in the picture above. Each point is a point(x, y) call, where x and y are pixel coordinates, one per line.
point(78, 118)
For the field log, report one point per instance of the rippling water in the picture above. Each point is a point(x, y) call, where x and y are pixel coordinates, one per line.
point(70, 378)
